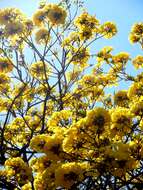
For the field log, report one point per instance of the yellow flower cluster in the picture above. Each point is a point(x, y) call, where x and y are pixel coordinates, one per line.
point(15, 23)
point(87, 25)
point(135, 90)
point(108, 29)
point(38, 17)
point(8, 15)
point(62, 127)
point(137, 108)
point(117, 63)
point(79, 56)
point(136, 33)
point(60, 120)
point(53, 13)
point(98, 119)
point(42, 36)
point(18, 168)
point(121, 98)
point(56, 14)
point(121, 57)
point(40, 70)
point(6, 65)
point(121, 121)
point(138, 61)
point(104, 54)
point(69, 173)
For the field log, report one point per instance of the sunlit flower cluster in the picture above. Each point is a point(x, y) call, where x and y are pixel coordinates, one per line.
point(136, 33)
point(53, 13)
point(42, 36)
point(138, 61)
point(108, 29)
point(87, 25)
point(15, 23)
point(6, 65)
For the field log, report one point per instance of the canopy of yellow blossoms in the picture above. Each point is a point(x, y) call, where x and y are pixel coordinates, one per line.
point(60, 126)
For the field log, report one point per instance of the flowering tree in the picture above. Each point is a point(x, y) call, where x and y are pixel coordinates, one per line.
point(60, 129)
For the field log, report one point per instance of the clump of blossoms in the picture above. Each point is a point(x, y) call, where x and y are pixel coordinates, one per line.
point(61, 127)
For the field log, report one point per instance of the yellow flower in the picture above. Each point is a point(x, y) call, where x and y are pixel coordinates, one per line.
point(14, 20)
point(5, 88)
point(39, 17)
point(108, 29)
point(55, 14)
point(121, 116)
point(121, 121)
point(104, 54)
point(6, 65)
point(98, 118)
point(49, 174)
point(42, 4)
point(137, 108)
point(40, 70)
point(39, 182)
point(79, 56)
point(22, 171)
point(69, 173)
point(123, 162)
point(10, 15)
point(3, 173)
point(121, 98)
point(137, 28)
point(33, 121)
point(136, 34)
point(24, 91)
point(40, 164)
point(53, 146)
point(16, 128)
point(29, 26)
point(29, 94)
point(38, 142)
point(4, 79)
point(17, 132)
point(60, 119)
point(20, 88)
point(135, 90)
point(86, 21)
point(85, 34)
point(141, 124)
point(15, 28)
point(42, 36)
point(121, 57)
point(75, 140)
point(4, 104)
point(138, 62)
point(133, 38)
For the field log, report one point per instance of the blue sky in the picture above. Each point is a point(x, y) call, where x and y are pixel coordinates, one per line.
point(123, 12)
